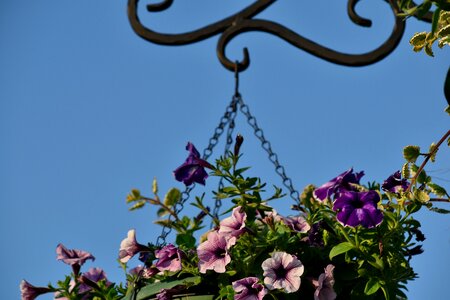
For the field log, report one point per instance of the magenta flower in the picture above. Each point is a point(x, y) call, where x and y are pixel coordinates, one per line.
point(213, 253)
point(130, 247)
point(282, 271)
point(234, 225)
point(324, 285)
point(358, 208)
point(395, 183)
point(338, 184)
point(90, 278)
point(249, 289)
point(193, 169)
point(169, 258)
point(31, 292)
point(297, 223)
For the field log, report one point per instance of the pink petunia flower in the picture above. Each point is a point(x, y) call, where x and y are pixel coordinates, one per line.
point(213, 253)
point(282, 271)
point(169, 258)
point(31, 292)
point(234, 225)
point(324, 285)
point(297, 223)
point(130, 247)
point(249, 289)
point(72, 256)
point(94, 275)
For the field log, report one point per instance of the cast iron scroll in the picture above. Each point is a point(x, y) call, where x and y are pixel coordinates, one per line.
point(243, 21)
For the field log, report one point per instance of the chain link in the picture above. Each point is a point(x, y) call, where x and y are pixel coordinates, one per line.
point(265, 144)
point(226, 119)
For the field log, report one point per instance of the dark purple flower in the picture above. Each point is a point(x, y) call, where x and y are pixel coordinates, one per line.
point(282, 271)
point(31, 292)
point(324, 285)
point(249, 289)
point(90, 279)
point(130, 247)
point(213, 253)
point(336, 185)
point(395, 183)
point(193, 169)
point(358, 208)
point(315, 234)
point(169, 258)
point(234, 225)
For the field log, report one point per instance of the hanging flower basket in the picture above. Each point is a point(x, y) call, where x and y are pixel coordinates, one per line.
point(343, 240)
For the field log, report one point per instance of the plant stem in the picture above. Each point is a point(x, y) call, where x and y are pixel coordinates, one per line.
point(427, 158)
point(156, 201)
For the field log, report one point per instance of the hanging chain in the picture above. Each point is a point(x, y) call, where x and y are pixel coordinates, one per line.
point(227, 119)
point(265, 144)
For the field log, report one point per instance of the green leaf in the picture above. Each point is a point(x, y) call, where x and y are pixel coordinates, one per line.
point(372, 286)
point(433, 152)
point(444, 31)
point(435, 20)
point(439, 210)
point(155, 288)
point(411, 153)
point(173, 196)
point(162, 212)
point(340, 248)
point(421, 196)
point(429, 49)
point(437, 190)
point(405, 171)
point(418, 39)
point(447, 110)
point(185, 239)
point(138, 205)
point(423, 9)
point(155, 186)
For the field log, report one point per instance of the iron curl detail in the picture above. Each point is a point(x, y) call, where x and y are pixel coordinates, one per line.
point(243, 21)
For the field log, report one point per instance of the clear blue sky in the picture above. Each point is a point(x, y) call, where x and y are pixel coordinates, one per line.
point(88, 110)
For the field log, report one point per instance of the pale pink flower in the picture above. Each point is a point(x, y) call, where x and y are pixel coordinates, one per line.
point(234, 225)
point(72, 256)
point(213, 253)
point(324, 285)
point(169, 258)
point(249, 289)
point(130, 247)
point(282, 271)
point(297, 223)
point(31, 292)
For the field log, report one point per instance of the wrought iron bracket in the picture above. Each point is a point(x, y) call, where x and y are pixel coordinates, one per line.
point(243, 21)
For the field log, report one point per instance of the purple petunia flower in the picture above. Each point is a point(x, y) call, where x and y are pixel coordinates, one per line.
point(324, 285)
point(395, 183)
point(234, 225)
point(193, 169)
point(248, 289)
point(338, 184)
point(130, 247)
point(358, 208)
point(91, 277)
point(31, 292)
point(297, 223)
point(145, 272)
point(213, 253)
point(72, 256)
point(169, 258)
point(282, 271)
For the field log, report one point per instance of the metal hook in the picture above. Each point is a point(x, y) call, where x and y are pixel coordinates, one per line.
point(236, 80)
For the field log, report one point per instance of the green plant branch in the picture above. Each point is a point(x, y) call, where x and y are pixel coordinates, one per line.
point(427, 158)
